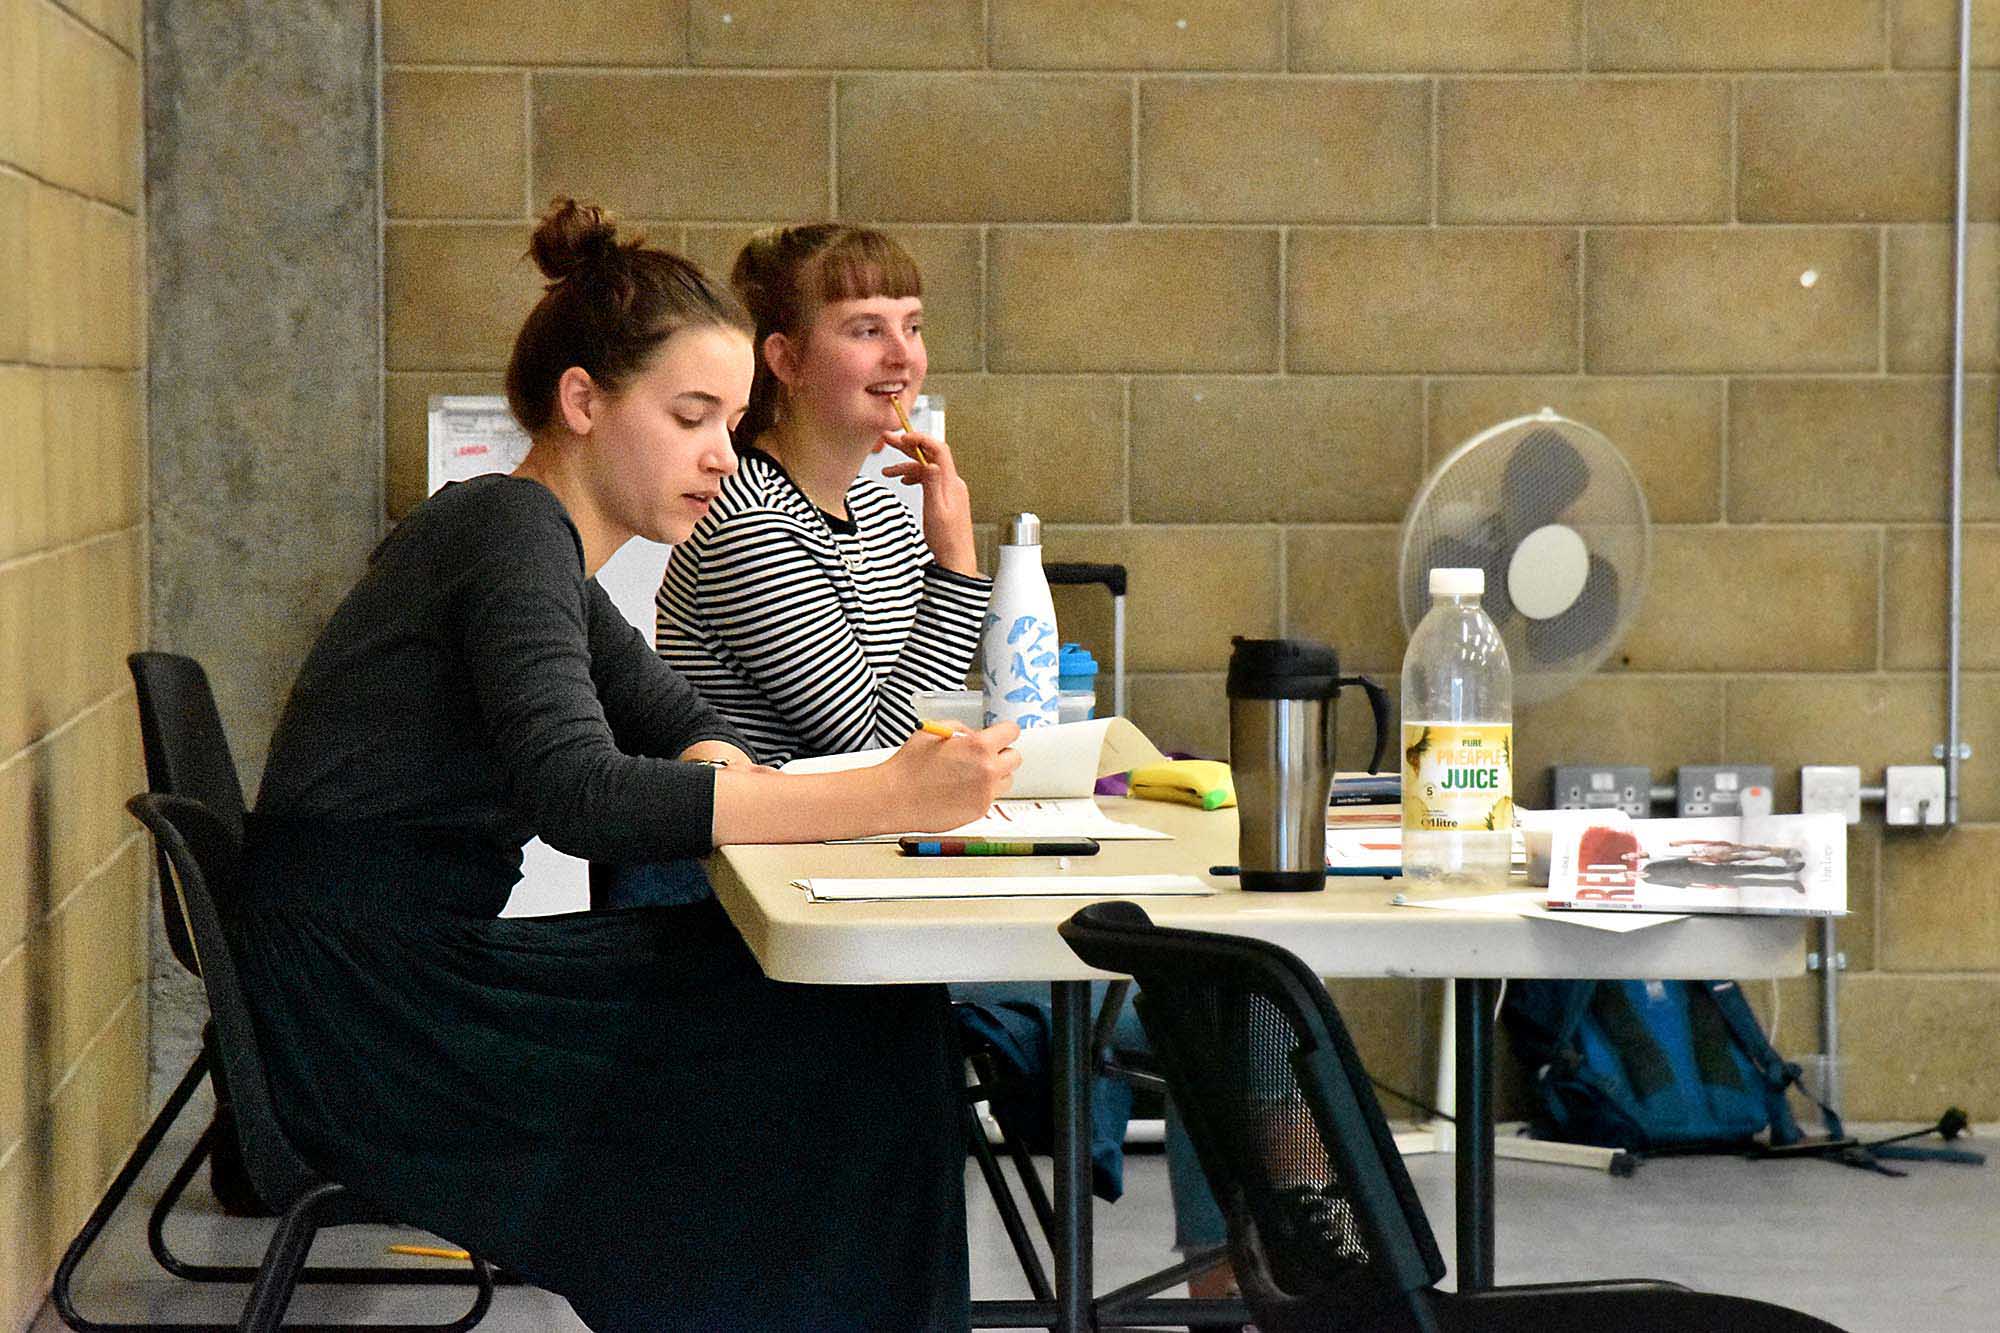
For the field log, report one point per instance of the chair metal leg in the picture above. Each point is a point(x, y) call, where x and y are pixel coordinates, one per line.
point(1017, 1151)
point(284, 1262)
point(62, 1295)
point(331, 1276)
point(170, 1197)
point(1010, 1212)
point(1031, 1182)
point(286, 1255)
point(121, 1185)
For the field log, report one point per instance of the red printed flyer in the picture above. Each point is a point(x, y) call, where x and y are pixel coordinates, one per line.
point(1783, 865)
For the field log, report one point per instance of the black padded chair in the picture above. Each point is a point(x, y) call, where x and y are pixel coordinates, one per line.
point(1325, 1229)
point(187, 754)
point(204, 859)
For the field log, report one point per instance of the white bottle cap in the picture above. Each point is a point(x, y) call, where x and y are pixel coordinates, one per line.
point(1458, 582)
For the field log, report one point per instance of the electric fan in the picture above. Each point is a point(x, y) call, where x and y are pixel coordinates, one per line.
point(1554, 515)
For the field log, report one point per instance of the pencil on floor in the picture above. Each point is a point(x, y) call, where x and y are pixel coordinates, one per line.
point(429, 1252)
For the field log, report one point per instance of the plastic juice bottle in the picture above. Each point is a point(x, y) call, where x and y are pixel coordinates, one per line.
point(1019, 649)
point(1458, 741)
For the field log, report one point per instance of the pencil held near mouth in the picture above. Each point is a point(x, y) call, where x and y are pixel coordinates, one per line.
point(902, 415)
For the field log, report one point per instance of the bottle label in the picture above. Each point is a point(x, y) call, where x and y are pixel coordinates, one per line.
point(1017, 671)
point(1458, 778)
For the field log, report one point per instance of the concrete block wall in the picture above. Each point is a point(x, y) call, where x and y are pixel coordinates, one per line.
point(1213, 282)
point(75, 870)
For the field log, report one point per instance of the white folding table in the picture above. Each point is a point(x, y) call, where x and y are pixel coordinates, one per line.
point(1350, 930)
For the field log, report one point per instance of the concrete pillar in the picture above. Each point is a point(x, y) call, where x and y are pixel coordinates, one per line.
point(264, 396)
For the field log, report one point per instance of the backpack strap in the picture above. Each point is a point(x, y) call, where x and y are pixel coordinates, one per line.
point(1644, 1061)
point(1608, 1112)
point(1777, 1072)
point(1577, 996)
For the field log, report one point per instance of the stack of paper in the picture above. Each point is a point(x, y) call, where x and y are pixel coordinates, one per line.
point(1051, 793)
point(1063, 760)
point(1042, 820)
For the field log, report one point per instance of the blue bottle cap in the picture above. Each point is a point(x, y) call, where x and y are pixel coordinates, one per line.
point(1075, 660)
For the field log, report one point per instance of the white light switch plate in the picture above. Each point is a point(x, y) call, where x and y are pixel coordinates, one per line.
point(1833, 788)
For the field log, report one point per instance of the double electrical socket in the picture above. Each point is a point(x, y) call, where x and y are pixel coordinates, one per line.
point(1723, 789)
point(1627, 787)
point(1699, 789)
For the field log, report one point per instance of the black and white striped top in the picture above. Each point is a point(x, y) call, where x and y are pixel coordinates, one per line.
point(807, 631)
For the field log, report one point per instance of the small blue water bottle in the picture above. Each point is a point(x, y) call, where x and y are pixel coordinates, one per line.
point(1076, 677)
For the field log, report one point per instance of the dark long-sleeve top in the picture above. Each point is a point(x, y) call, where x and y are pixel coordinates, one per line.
point(809, 631)
point(475, 685)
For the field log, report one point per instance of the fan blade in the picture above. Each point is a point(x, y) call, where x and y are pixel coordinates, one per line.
point(1464, 553)
point(1545, 475)
point(1588, 622)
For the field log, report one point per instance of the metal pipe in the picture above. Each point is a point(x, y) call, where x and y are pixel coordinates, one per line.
point(1473, 1000)
point(1958, 265)
point(1829, 1012)
point(1071, 1242)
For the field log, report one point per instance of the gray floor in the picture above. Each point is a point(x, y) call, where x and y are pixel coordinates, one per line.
point(1870, 1254)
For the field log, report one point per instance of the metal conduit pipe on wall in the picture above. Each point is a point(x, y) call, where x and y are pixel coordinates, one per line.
point(1952, 749)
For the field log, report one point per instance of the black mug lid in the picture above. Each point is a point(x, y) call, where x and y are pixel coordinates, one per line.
point(1282, 669)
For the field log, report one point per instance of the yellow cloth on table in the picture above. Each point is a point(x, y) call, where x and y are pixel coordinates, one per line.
point(1203, 783)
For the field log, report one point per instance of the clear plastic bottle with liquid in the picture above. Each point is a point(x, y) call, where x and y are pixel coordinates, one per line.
point(1458, 741)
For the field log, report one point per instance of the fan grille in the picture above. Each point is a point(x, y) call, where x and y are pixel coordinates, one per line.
point(1499, 487)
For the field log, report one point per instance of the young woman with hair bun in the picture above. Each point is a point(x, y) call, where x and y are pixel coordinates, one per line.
point(613, 1105)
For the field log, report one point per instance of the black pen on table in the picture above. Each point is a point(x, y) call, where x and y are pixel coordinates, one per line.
point(921, 846)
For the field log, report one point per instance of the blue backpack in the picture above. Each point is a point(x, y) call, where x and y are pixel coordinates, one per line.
point(1645, 1065)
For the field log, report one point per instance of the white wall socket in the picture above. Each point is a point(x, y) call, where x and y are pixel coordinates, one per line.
point(1913, 794)
point(1831, 788)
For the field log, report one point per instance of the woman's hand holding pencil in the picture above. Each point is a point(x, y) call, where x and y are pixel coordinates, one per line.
point(946, 775)
point(947, 502)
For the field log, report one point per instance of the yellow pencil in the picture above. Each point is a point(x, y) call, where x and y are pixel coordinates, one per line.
point(904, 417)
point(940, 729)
point(429, 1252)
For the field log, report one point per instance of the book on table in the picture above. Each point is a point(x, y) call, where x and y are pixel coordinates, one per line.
point(1365, 800)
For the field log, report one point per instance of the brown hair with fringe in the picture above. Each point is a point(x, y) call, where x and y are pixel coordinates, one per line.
point(787, 275)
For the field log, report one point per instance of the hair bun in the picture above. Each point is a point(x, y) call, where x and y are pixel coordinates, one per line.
point(572, 237)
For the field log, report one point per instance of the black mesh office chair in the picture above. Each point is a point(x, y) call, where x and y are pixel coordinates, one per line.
point(1325, 1229)
point(204, 863)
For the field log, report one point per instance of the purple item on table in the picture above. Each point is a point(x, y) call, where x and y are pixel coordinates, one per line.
point(1120, 784)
